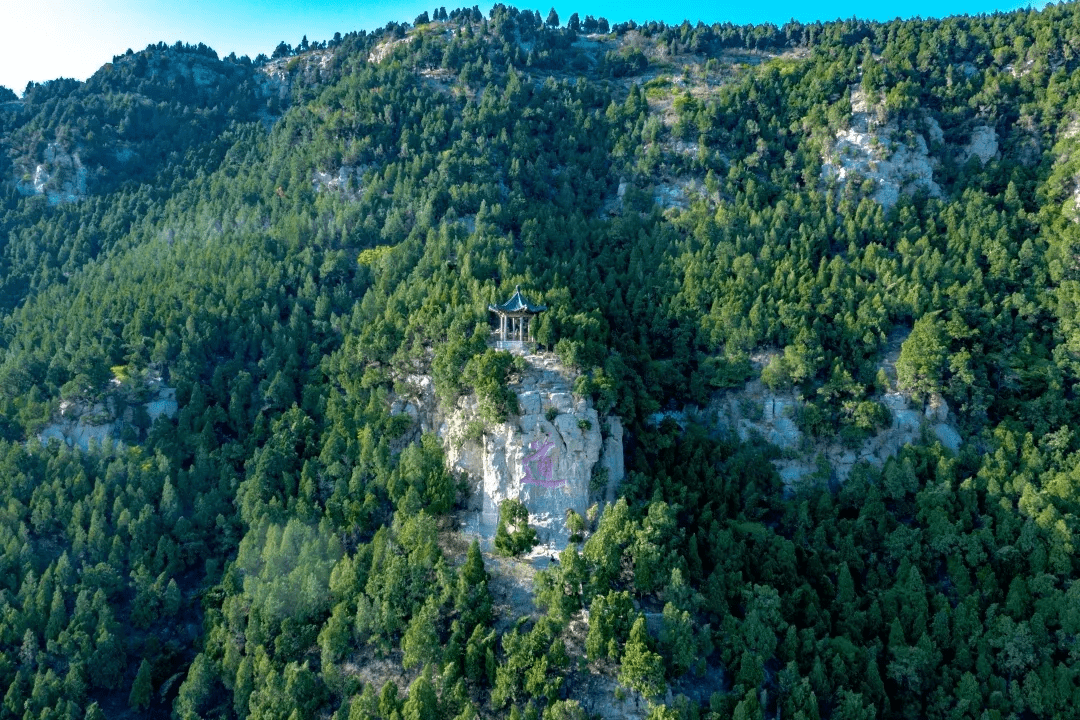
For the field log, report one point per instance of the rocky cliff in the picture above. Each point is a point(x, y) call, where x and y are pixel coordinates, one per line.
point(60, 176)
point(755, 410)
point(557, 456)
point(866, 150)
point(78, 423)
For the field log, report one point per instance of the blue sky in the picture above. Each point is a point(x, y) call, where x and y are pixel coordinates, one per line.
point(45, 39)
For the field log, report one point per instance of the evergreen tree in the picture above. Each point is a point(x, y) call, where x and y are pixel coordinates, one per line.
point(141, 689)
point(422, 702)
point(420, 643)
point(641, 669)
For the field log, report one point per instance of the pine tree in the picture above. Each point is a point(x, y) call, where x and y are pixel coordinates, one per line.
point(677, 639)
point(142, 688)
point(642, 669)
point(596, 642)
point(923, 357)
point(107, 661)
point(472, 598)
point(388, 699)
point(420, 644)
point(845, 587)
point(422, 702)
point(172, 599)
point(749, 708)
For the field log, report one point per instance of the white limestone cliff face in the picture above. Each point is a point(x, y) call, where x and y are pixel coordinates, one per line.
point(507, 462)
point(60, 176)
point(867, 150)
point(347, 182)
point(77, 423)
point(280, 74)
point(380, 51)
point(983, 144)
point(755, 410)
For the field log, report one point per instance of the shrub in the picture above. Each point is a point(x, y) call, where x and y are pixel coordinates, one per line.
point(513, 535)
point(474, 431)
point(599, 480)
point(576, 525)
point(488, 373)
point(727, 372)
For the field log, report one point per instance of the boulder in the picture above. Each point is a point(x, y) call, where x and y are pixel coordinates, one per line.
point(948, 436)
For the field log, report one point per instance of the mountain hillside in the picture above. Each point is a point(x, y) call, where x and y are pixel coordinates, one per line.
point(810, 362)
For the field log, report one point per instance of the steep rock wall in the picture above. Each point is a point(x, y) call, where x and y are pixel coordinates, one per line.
point(77, 424)
point(548, 464)
point(755, 410)
point(983, 145)
point(866, 150)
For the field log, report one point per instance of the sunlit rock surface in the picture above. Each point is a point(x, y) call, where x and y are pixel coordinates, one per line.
point(757, 411)
point(867, 150)
point(78, 424)
point(548, 464)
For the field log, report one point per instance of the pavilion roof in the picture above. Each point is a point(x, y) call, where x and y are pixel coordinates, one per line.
point(517, 303)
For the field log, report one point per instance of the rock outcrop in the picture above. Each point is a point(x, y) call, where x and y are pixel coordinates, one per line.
point(983, 144)
point(279, 75)
point(757, 411)
point(78, 423)
point(347, 181)
point(557, 456)
point(866, 150)
point(380, 51)
point(60, 176)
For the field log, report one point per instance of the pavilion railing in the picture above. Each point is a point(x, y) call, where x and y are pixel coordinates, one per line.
point(513, 344)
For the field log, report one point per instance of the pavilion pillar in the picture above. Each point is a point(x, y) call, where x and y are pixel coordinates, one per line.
point(502, 327)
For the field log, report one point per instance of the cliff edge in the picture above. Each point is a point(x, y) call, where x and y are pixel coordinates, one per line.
point(558, 455)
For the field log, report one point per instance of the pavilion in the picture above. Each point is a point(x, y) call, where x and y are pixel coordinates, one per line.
point(515, 321)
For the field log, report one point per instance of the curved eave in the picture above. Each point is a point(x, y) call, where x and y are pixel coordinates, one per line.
point(517, 304)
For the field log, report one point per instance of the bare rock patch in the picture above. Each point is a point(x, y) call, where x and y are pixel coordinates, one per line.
point(868, 150)
point(983, 145)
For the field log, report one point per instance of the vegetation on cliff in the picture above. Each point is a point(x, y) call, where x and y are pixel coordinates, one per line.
point(660, 189)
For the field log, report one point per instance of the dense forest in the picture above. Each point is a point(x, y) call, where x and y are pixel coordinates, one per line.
point(283, 239)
